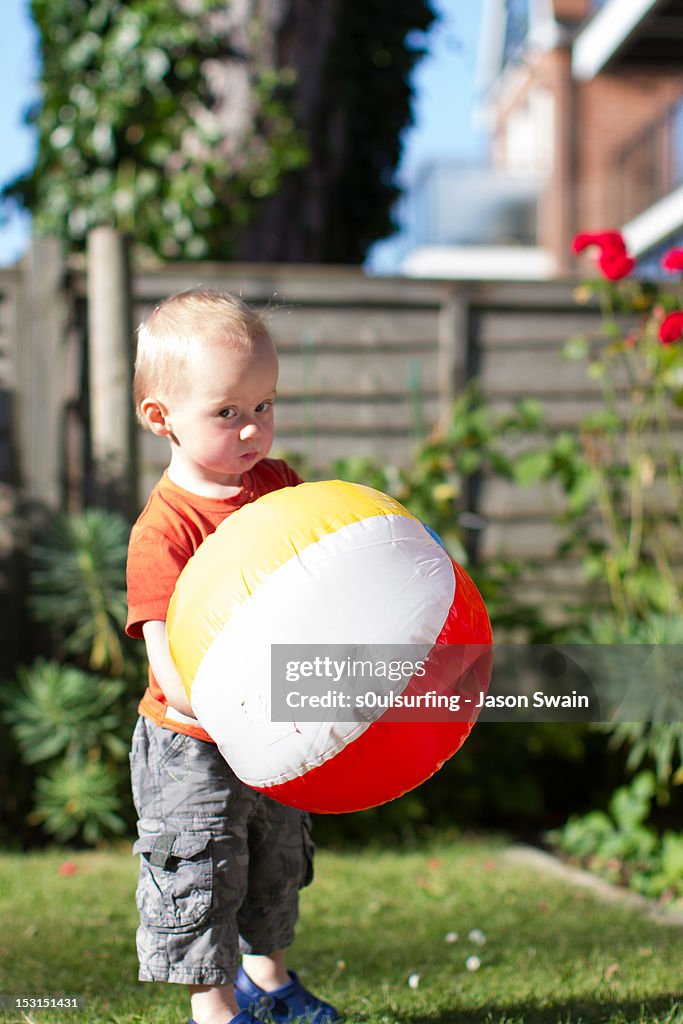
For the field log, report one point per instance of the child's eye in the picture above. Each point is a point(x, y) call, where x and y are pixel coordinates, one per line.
point(264, 406)
point(228, 413)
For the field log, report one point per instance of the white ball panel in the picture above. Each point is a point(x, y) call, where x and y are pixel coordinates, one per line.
point(408, 586)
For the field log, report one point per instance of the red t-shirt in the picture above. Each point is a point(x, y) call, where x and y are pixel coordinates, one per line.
point(170, 528)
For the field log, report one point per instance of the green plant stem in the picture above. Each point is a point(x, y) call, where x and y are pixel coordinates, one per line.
point(632, 368)
point(636, 496)
point(615, 538)
point(673, 473)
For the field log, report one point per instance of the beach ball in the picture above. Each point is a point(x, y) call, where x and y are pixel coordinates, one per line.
point(330, 646)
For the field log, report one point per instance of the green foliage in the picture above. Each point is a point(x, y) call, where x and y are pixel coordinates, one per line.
point(656, 736)
point(626, 466)
point(79, 800)
point(59, 710)
point(182, 123)
point(72, 727)
point(78, 586)
point(622, 471)
point(621, 475)
point(621, 845)
point(658, 743)
point(129, 134)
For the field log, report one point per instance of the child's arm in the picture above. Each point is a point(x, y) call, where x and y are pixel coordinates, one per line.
point(163, 666)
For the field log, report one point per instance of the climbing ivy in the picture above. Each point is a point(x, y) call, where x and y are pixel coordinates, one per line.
point(130, 127)
point(216, 129)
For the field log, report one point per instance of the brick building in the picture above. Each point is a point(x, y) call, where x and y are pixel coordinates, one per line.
point(587, 97)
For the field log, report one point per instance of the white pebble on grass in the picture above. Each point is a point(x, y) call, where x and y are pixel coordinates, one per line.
point(477, 937)
point(413, 980)
point(473, 963)
point(451, 937)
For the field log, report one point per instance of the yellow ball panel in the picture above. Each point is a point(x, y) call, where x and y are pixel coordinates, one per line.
point(251, 544)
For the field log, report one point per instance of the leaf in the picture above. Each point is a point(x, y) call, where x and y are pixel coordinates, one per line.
point(576, 348)
point(530, 412)
point(581, 493)
point(532, 466)
point(469, 462)
point(605, 421)
point(611, 329)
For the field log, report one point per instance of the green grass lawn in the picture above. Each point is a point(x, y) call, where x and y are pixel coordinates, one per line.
point(371, 921)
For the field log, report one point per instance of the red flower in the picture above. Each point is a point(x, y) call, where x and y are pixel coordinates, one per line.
point(671, 328)
point(673, 260)
point(614, 261)
point(614, 265)
point(613, 240)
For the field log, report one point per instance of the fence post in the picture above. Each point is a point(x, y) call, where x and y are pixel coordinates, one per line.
point(43, 326)
point(110, 360)
point(452, 354)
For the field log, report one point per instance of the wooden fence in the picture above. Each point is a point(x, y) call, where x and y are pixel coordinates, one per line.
point(368, 366)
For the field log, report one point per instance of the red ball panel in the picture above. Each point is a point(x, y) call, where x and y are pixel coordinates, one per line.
point(397, 752)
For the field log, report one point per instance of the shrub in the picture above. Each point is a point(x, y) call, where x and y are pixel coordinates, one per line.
point(71, 716)
point(621, 846)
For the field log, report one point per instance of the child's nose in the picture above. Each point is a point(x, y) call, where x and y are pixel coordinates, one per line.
point(248, 430)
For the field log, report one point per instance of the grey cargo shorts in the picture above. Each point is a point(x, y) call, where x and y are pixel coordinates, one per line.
point(220, 864)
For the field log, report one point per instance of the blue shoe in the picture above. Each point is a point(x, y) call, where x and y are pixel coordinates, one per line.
point(289, 1003)
point(242, 1018)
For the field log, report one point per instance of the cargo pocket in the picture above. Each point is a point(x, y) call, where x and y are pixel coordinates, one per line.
point(175, 887)
point(174, 759)
point(308, 849)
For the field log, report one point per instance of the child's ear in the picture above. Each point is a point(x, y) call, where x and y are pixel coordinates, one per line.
point(155, 416)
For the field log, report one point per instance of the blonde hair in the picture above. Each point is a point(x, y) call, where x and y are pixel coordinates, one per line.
point(178, 326)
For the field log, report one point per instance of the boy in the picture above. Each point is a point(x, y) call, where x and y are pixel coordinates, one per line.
point(221, 865)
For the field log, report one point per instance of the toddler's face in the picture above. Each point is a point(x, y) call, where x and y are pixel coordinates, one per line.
point(222, 422)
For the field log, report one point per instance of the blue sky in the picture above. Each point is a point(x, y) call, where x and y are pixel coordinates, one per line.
point(17, 76)
point(443, 130)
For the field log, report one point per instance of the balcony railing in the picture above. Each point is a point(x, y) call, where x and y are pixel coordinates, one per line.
point(650, 167)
